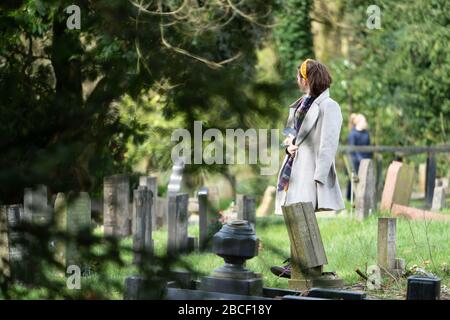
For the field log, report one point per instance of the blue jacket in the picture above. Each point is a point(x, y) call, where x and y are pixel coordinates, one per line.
point(359, 138)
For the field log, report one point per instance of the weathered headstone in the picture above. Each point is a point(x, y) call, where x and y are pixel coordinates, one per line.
point(178, 224)
point(438, 199)
point(161, 212)
point(365, 190)
point(72, 216)
point(4, 241)
point(176, 177)
point(422, 178)
point(116, 216)
point(307, 250)
point(246, 208)
point(386, 244)
point(373, 278)
point(36, 205)
point(142, 226)
point(267, 206)
point(152, 184)
point(12, 252)
point(398, 185)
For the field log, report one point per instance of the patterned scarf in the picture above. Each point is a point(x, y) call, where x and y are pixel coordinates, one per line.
point(299, 114)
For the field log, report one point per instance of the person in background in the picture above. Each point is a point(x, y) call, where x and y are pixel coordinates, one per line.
point(358, 136)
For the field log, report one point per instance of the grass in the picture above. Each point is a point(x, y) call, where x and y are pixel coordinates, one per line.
point(349, 244)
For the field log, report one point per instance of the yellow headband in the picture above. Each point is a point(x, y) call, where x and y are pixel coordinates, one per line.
point(303, 69)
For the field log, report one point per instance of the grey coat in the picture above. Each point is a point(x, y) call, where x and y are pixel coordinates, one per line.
point(313, 176)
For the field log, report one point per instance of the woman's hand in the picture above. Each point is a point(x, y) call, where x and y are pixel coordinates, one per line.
point(288, 140)
point(292, 149)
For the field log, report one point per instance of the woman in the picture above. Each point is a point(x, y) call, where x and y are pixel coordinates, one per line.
point(358, 136)
point(308, 173)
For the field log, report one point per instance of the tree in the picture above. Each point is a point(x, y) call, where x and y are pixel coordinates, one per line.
point(57, 86)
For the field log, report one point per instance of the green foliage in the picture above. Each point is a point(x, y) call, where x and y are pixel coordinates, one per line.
point(293, 36)
point(398, 76)
point(58, 87)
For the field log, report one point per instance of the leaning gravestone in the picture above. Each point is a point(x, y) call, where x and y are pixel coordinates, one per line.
point(152, 184)
point(365, 190)
point(36, 206)
point(398, 185)
point(307, 251)
point(72, 216)
point(116, 216)
point(438, 199)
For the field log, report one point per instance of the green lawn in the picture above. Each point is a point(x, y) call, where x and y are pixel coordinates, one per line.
point(349, 245)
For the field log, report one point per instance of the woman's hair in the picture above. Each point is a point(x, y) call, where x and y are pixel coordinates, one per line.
point(318, 77)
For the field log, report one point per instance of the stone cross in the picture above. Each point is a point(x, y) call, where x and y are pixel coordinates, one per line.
point(365, 190)
point(116, 216)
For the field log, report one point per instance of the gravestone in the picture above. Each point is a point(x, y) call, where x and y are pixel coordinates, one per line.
point(203, 216)
point(4, 241)
point(178, 224)
point(422, 178)
point(214, 197)
point(12, 252)
point(142, 227)
point(307, 250)
point(398, 185)
point(161, 212)
point(246, 208)
point(176, 177)
point(430, 179)
point(365, 190)
point(438, 199)
point(417, 214)
point(152, 184)
point(386, 244)
point(373, 278)
point(36, 205)
point(267, 206)
point(116, 216)
point(72, 216)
